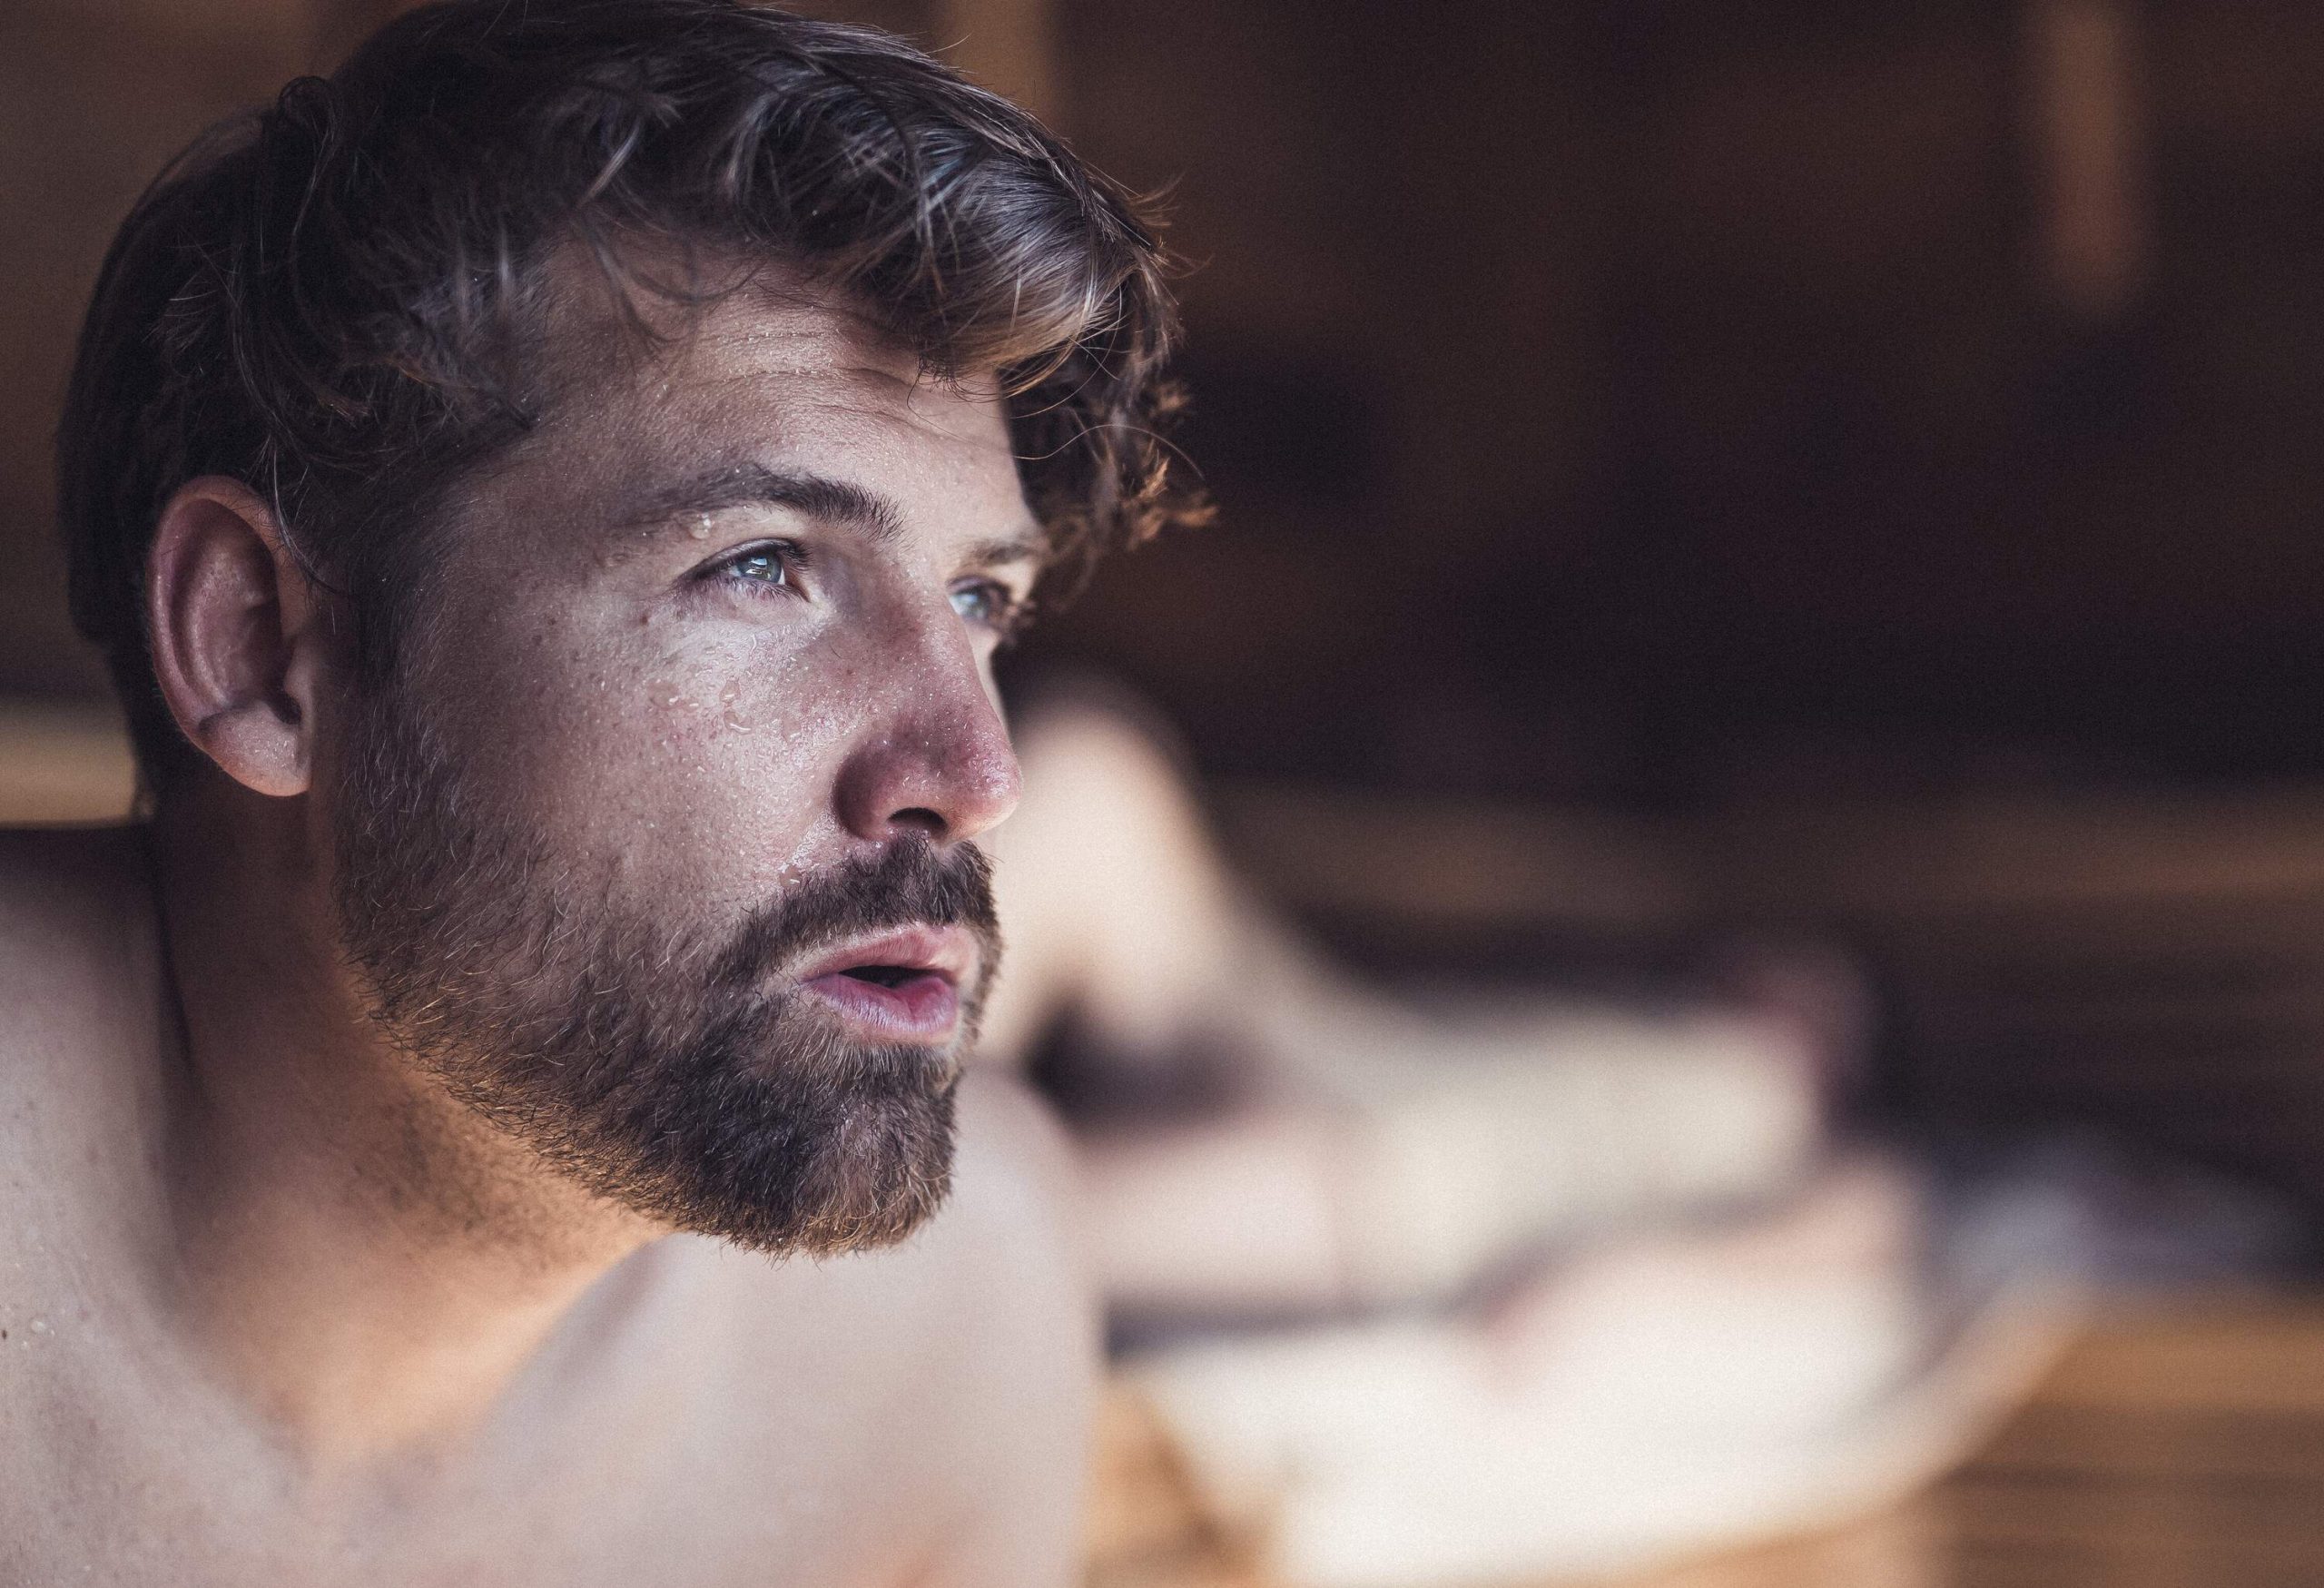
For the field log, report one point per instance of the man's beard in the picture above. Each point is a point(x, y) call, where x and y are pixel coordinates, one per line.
point(653, 1063)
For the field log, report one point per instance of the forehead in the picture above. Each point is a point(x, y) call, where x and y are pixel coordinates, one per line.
point(770, 373)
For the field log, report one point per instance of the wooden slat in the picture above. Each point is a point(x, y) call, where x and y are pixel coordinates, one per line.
point(62, 763)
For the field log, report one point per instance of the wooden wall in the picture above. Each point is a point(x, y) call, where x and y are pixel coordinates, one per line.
point(94, 96)
point(1639, 400)
point(1627, 401)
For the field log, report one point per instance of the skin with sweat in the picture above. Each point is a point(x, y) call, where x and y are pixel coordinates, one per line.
point(277, 1308)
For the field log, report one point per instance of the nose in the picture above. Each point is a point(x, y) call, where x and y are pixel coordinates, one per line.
point(940, 767)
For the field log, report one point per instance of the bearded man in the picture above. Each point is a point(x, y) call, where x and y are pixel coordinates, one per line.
point(549, 496)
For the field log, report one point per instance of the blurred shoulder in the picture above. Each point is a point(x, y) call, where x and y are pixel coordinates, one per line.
point(80, 1024)
point(1014, 1177)
point(1009, 1244)
point(964, 1360)
point(60, 865)
point(76, 911)
point(1000, 1262)
point(1029, 1400)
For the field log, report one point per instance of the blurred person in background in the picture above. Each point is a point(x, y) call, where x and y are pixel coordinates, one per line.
point(549, 496)
point(1508, 1287)
point(1269, 1136)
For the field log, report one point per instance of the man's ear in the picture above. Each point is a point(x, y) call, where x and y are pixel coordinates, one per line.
point(239, 644)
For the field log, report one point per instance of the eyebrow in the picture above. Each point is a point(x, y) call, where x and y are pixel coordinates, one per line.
point(1029, 547)
point(736, 485)
point(815, 496)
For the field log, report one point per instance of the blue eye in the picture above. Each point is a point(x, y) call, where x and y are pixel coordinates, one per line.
point(765, 568)
point(985, 602)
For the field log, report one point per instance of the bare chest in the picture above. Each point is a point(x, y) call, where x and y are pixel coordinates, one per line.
point(699, 1477)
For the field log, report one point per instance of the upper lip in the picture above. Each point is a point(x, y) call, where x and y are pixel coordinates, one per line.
point(938, 951)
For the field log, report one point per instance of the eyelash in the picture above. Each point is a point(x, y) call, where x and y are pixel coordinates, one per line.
point(788, 555)
point(1011, 612)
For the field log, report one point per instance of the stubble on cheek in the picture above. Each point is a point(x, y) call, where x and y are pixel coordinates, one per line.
point(643, 750)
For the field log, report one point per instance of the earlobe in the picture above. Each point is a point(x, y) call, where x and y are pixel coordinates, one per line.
point(237, 651)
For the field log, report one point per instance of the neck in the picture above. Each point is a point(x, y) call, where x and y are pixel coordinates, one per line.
point(366, 1261)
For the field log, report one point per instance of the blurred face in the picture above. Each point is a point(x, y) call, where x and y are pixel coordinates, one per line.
point(659, 851)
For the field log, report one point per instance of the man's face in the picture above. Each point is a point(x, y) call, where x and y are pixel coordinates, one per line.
point(657, 850)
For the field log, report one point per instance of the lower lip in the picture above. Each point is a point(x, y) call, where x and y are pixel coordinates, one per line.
point(921, 1009)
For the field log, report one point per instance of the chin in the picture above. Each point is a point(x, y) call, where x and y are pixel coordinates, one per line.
point(855, 1163)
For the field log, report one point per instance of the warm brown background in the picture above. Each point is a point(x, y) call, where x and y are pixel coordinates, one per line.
point(1614, 398)
point(1841, 466)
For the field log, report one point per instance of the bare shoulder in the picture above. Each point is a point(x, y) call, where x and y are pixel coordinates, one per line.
point(1035, 1389)
point(80, 1023)
point(1002, 1254)
point(966, 1358)
point(1012, 1191)
point(51, 868)
point(76, 943)
point(992, 1295)
point(1014, 1253)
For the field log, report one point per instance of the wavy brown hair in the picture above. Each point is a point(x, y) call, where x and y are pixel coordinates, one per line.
point(338, 299)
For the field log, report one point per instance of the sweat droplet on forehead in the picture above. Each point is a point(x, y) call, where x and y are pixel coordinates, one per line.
point(700, 529)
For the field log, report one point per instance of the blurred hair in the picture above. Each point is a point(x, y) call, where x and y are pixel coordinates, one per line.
point(340, 299)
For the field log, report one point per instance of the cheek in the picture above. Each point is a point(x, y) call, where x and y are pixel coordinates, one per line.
point(739, 754)
point(673, 761)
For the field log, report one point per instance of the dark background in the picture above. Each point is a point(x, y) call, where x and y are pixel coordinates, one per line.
point(1607, 400)
point(1843, 468)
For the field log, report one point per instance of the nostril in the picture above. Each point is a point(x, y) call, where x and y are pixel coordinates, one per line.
point(921, 818)
point(942, 779)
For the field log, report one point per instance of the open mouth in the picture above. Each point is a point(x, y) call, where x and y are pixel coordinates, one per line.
point(885, 975)
point(904, 986)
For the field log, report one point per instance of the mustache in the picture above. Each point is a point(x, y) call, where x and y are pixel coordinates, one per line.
point(910, 883)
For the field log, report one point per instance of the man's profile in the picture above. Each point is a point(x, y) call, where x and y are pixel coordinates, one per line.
point(549, 496)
